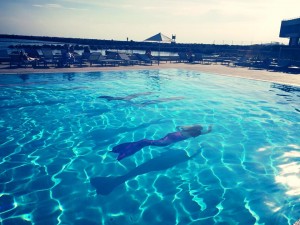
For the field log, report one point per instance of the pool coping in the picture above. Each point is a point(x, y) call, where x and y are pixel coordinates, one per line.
point(241, 72)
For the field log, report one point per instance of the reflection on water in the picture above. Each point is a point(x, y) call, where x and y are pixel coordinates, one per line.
point(289, 170)
point(286, 88)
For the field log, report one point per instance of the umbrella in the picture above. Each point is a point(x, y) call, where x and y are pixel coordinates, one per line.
point(159, 38)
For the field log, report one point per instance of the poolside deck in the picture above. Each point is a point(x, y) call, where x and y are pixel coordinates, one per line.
point(242, 72)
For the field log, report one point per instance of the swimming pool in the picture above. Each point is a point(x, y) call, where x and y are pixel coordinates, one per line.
point(57, 134)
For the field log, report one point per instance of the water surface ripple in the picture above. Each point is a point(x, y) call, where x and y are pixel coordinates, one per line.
point(56, 134)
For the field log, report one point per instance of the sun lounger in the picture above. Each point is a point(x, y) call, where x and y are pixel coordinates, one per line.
point(19, 61)
point(93, 58)
point(126, 60)
point(112, 58)
point(135, 58)
point(33, 53)
point(76, 59)
point(293, 69)
point(104, 61)
point(210, 59)
point(144, 59)
point(4, 56)
point(282, 65)
point(66, 58)
point(226, 60)
point(260, 64)
point(165, 58)
point(198, 58)
point(84, 58)
point(182, 57)
point(98, 58)
point(243, 62)
point(109, 60)
point(15, 60)
point(48, 57)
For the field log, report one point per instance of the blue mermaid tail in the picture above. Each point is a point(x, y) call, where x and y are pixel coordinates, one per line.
point(129, 148)
point(110, 98)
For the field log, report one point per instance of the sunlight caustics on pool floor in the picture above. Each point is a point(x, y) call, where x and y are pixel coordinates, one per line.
point(57, 134)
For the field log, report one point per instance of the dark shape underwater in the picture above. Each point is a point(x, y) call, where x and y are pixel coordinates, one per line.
point(105, 185)
point(156, 101)
point(125, 98)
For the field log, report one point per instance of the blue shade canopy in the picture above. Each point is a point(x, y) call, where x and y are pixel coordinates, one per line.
point(159, 38)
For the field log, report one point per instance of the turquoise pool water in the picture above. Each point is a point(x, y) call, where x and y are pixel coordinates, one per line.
point(57, 134)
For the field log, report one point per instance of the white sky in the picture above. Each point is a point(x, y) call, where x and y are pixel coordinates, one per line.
point(193, 21)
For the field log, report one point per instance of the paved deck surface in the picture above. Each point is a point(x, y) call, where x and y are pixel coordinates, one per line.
point(263, 75)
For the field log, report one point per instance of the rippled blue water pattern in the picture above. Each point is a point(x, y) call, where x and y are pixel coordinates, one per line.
point(56, 134)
